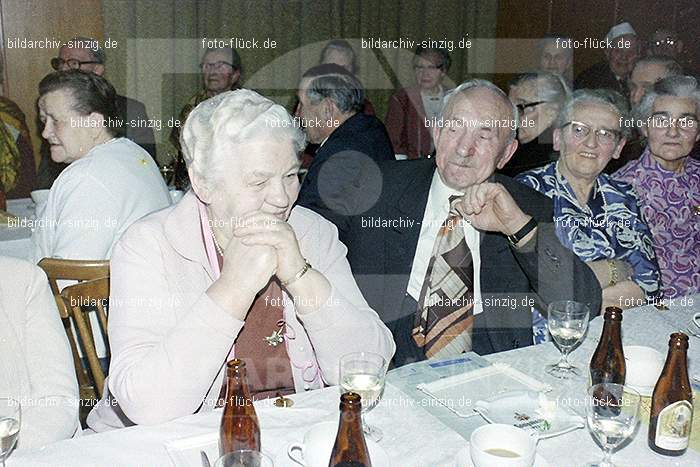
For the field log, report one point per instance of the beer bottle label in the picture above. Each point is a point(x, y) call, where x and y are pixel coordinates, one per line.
point(673, 426)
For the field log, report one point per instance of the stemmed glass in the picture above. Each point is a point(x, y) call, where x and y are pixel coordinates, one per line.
point(10, 420)
point(364, 373)
point(244, 458)
point(611, 412)
point(567, 322)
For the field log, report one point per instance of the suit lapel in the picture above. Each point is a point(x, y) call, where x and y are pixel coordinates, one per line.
point(407, 212)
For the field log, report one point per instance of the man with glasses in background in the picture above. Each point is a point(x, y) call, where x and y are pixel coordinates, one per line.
point(85, 54)
point(221, 71)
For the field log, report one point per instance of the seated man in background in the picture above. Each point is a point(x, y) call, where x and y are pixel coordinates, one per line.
point(412, 107)
point(539, 98)
point(330, 104)
point(667, 180)
point(619, 60)
point(340, 52)
point(221, 72)
point(37, 367)
point(85, 54)
point(596, 217)
point(451, 256)
point(557, 56)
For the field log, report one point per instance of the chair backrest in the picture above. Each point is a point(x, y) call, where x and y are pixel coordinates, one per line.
point(76, 270)
point(81, 299)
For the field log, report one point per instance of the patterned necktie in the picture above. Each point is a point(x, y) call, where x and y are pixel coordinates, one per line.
point(444, 320)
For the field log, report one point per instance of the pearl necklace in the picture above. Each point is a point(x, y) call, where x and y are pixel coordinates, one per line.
point(217, 246)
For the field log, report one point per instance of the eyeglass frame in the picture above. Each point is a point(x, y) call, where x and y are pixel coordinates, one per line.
point(616, 133)
point(215, 66)
point(521, 107)
point(56, 63)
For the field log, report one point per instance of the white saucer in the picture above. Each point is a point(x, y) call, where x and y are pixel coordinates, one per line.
point(377, 454)
point(463, 459)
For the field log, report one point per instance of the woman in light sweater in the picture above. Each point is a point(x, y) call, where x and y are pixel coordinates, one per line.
point(234, 269)
point(36, 367)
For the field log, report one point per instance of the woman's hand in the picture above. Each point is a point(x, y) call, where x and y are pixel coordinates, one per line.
point(247, 269)
point(259, 229)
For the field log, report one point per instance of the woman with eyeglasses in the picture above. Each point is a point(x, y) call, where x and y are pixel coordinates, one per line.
point(667, 180)
point(594, 215)
point(411, 109)
point(539, 98)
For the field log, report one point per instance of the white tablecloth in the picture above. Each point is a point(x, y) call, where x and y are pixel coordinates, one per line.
point(15, 239)
point(413, 436)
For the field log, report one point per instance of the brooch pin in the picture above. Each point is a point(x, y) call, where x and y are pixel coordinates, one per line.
point(277, 336)
point(697, 210)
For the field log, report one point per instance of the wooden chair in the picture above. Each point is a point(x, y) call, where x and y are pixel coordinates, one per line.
point(81, 299)
point(77, 270)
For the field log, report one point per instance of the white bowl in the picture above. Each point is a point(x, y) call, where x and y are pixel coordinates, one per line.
point(644, 366)
point(40, 196)
point(486, 440)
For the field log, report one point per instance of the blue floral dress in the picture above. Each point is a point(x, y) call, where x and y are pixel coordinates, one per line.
point(610, 226)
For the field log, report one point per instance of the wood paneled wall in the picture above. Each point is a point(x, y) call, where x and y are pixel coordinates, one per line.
point(58, 20)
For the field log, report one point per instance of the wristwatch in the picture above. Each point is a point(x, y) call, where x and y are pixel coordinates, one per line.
point(522, 233)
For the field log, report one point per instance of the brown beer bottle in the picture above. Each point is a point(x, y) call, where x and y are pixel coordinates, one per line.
point(239, 423)
point(350, 449)
point(672, 403)
point(608, 361)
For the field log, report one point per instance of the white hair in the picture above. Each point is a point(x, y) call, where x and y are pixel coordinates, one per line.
point(229, 119)
point(447, 100)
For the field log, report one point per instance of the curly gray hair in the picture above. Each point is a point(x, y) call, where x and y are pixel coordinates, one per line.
point(232, 118)
point(673, 86)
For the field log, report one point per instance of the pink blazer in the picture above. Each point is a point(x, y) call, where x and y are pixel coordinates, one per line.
point(170, 341)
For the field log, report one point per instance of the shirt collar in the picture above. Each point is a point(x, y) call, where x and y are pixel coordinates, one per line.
point(440, 194)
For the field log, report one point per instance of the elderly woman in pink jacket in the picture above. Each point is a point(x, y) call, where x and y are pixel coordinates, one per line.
point(232, 269)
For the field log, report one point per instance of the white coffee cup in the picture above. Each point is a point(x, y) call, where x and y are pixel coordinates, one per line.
point(317, 447)
point(39, 196)
point(696, 320)
point(489, 443)
point(643, 366)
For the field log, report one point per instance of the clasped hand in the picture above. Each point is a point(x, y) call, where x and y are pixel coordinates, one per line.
point(261, 246)
point(489, 206)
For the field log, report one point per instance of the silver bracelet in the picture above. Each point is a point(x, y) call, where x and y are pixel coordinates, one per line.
point(298, 275)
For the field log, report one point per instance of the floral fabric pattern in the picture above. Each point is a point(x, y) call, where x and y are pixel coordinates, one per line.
point(670, 202)
point(610, 226)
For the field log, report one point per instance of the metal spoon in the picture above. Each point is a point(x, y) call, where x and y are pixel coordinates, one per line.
point(205, 459)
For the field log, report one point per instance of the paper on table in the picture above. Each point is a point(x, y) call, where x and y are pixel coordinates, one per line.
point(459, 392)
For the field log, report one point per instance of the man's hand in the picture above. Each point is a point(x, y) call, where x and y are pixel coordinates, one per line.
point(489, 206)
point(260, 229)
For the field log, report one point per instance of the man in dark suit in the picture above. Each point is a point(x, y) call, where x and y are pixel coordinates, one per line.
point(85, 54)
point(621, 52)
point(330, 111)
point(389, 216)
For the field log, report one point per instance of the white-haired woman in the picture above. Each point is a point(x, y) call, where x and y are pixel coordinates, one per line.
point(667, 179)
point(233, 269)
point(597, 217)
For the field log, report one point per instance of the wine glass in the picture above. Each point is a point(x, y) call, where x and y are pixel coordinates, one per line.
point(567, 322)
point(10, 420)
point(244, 458)
point(364, 373)
point(611, 412)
